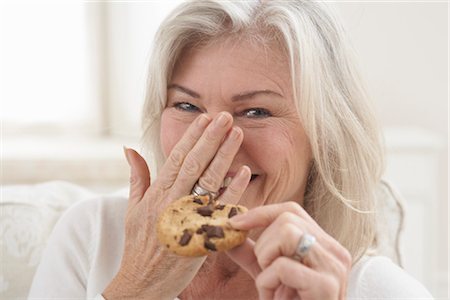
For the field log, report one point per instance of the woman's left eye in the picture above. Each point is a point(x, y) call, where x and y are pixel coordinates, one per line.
point(256, 113)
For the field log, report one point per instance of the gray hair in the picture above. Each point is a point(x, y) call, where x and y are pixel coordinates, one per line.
point(330, 96)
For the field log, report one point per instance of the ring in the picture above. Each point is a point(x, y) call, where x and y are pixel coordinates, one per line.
point(304, 245)
point(199, 191)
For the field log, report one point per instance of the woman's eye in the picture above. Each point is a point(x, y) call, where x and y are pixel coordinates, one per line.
point(256, 113)
point(185, 106)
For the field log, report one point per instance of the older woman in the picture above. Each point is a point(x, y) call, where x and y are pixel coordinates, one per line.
point(264, 97)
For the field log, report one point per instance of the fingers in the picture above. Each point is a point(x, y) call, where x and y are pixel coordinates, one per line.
point(234, 191)
point(213, 176)
point(171, 168)
point(277, 240)
point(263, 216)
point(139, 176)
point(202, 153)
point(285, 271)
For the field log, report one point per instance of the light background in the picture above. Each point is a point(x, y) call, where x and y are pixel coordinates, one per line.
point(73, 78)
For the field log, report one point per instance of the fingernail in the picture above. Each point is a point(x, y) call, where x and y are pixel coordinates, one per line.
point(203, 120)
point(244, 171)
point(221, 120)
point(235, 133)
point(237, 220)
point(125, 151)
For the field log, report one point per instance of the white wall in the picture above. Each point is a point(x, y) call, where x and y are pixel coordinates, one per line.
point(403, 50)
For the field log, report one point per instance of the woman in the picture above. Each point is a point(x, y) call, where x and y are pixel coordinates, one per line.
point(259, 103)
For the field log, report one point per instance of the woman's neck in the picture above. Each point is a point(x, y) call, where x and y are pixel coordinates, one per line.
point(220, 278)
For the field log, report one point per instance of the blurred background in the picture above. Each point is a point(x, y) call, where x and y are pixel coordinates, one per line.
point(73, 80)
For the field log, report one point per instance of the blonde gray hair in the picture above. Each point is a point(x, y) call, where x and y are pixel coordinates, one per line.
point(329, 94)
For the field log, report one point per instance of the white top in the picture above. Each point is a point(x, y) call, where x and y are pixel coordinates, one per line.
point(85, 249)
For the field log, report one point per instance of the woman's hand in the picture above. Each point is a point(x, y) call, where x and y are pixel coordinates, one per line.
point(205, 151)
point(323, 272)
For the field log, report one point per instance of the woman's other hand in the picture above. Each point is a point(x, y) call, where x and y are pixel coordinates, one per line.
point(322, 273)
point(205, 151)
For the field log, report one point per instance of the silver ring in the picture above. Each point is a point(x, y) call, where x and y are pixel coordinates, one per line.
point(304, 245)
point(199, 191)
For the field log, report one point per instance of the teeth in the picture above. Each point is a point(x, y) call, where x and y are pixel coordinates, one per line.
point(227, 181)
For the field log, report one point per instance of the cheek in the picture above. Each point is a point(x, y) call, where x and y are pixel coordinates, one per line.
point(276, 149)
point(284, 156)
point(171, 132)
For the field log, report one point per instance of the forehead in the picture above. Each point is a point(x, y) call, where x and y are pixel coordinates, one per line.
point(234, 60)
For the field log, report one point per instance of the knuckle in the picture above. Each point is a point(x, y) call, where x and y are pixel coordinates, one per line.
point(176, 157)
point(211, 179)
point(259, 282)
point(157, 193)
point(330, 286)
point(262, 261)
point(286, 218)
point(192, 137)
point(288, 231)
point(192, 166)
point(210, 137)
point(347, 258)
point(165, 182)
point(233, 190)
point(223, 153)
point(342, 270)
point(279, 264)
point(293, 207)
point(135, 180)
point(290, 234)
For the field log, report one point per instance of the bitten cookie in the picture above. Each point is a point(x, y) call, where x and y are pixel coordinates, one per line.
point(194, 226)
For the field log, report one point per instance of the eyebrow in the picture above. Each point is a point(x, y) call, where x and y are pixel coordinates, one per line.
point(251, 94)
point(183, 89)
point(239, 97)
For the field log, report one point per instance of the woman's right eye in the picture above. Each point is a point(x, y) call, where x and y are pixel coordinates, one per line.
point(185, 106)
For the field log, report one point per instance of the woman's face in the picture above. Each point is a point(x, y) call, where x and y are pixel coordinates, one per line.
point(253, 84)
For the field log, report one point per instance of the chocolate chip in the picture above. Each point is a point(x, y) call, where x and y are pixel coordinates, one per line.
point(198, 201)
point(205, 211)
point(213, 231)
point(199, 231)
point(210, 246)
point(175, 211)
point(185, 238)
point(233, 212)
point(220, 206)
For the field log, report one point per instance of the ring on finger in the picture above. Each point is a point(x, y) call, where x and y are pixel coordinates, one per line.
point(197, 190)
point(304, 246)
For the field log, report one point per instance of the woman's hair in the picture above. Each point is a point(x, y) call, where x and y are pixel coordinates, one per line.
point(330, 96)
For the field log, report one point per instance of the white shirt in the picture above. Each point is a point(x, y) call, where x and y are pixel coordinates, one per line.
point(84, 251)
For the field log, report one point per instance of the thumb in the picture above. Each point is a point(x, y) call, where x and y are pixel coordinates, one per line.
point(139, 175)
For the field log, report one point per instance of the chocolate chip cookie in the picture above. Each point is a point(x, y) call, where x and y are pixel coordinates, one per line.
point(197, 225)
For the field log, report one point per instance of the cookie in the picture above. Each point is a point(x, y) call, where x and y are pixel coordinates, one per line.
point(195, 226)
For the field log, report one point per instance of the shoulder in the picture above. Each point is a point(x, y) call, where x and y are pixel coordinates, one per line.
point(84, 221)
point(95, 210)
point(72, 253)
point(378, 277)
